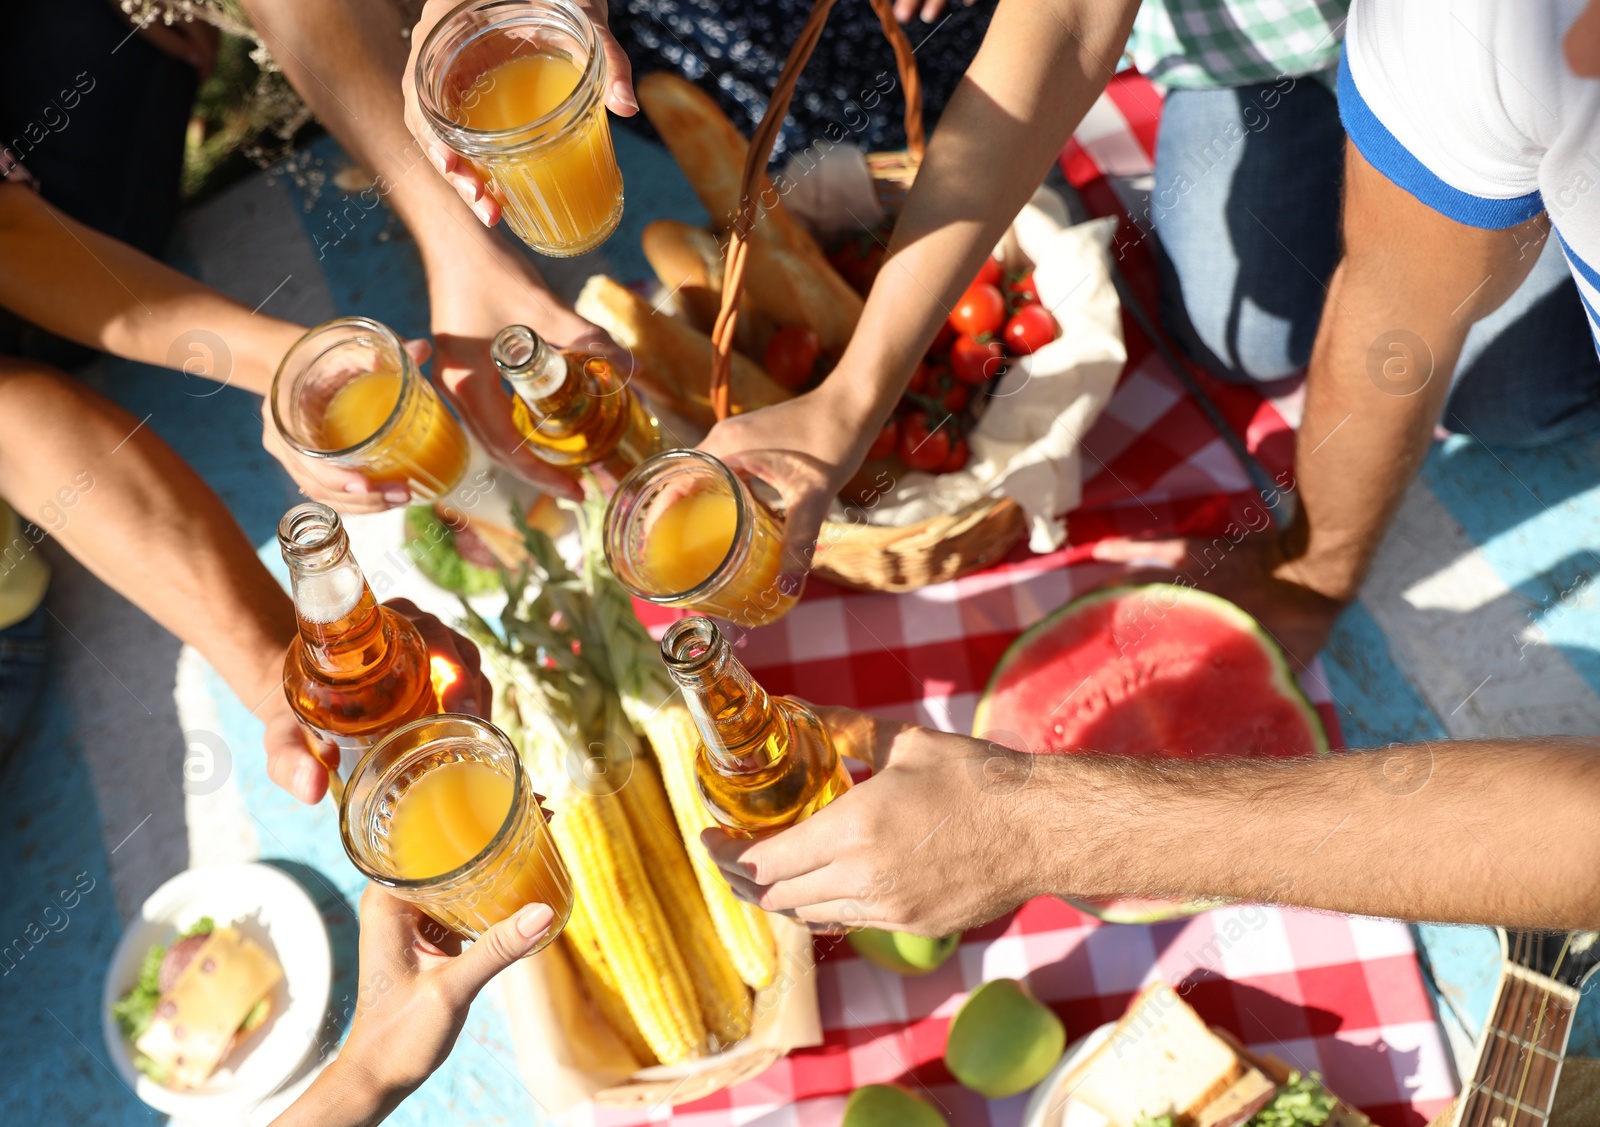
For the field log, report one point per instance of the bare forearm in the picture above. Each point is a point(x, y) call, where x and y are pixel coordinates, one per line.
point(346, 60)
point(1041, 67)
point(136, 515)
point(1398, 309)
point(1495, 831)
point(340, 1096)
point(78, 283)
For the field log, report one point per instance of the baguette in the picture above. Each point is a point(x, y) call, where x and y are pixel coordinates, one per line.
point(790, 290)
point(711, 151)
point(688, 262)
point(672, 359)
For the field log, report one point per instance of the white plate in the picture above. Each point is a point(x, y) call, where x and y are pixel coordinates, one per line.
point(1049, 1106)
point(269, 908)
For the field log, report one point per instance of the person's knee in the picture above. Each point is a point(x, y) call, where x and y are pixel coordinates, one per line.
point(1237, 340)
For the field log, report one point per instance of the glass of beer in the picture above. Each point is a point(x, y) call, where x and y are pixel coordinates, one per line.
point(442, 814)
point(517, 89)
point(684, 530)
point(350, 394)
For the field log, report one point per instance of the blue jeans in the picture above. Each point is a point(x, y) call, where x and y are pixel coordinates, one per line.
point(1246, 210)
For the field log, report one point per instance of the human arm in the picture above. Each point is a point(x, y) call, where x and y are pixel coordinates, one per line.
point(348, 61)
point(78, 283)
point(1492, 831)
point(415, 986)
point(128, 508)
point(1041, 67)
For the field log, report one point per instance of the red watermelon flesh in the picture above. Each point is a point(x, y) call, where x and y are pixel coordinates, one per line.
point(1158, 670)
point(1155, 670)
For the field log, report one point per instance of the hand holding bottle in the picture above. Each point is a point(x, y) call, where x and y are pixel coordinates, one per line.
point(297, 761)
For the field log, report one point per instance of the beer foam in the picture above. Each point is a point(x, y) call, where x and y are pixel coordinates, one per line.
point(327, 596)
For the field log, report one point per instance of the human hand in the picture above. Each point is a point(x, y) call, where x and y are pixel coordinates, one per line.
point(930, 10)
point(947, 834)
point(298, 762)
point(460, 174)
point(347, 490)
point(805, 450)
point(415, 986)
point(1255, 572)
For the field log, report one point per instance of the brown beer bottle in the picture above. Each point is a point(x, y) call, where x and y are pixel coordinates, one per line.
point(575, 410)
point(358, 670)
point(765, 762)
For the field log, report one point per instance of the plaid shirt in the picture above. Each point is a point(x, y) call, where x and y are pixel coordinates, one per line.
point(1199, 43)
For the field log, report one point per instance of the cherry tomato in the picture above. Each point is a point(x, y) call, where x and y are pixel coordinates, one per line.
point(980, 310)
point(957, 458)
point(1030, 329)
point(976, 362)
point(943, 340)
point(883, 445)
point(990, 273)
point(955, 398)
point(791, 356)
point(1022, 292)
point(859, 260)
point(921, 445)
point(922, 378)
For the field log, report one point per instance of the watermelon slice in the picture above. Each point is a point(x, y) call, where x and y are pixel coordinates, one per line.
point(1156, 670)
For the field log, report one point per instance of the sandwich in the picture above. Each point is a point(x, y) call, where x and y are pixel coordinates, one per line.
point(194, 1002)
point(1163, 1067)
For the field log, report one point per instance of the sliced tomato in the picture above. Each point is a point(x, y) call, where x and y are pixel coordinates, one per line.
point(957, 458)
point(980, 310)
point(976, 362)
point(1030, 329)
point(922, 445)
point(990, 273)
point(883, 445)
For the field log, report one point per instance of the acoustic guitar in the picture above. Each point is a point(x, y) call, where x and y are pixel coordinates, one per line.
point(1525, 1037)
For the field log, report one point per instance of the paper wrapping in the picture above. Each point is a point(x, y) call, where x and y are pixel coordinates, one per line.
point(568, 1055)
point(1026, 444)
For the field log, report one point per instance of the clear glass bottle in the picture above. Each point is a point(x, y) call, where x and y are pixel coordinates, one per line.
point(358, 670)
point(765, 762)
point(575, 410)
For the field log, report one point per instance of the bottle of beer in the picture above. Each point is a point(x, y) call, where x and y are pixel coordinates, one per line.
point(765, 762)
point(357, 670)
point(575, 410)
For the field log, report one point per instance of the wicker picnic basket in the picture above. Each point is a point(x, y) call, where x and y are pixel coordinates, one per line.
point(855, 553)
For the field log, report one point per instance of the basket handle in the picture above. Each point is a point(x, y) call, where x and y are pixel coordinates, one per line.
point(760, 152)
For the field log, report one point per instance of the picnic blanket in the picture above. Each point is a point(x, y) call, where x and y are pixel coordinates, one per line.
point(1338, 995)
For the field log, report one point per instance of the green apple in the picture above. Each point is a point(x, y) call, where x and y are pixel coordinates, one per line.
point(902, 953)
point(883, 1105)
point(1003, 1041)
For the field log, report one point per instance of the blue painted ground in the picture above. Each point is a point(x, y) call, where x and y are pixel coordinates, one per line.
point(49, 829)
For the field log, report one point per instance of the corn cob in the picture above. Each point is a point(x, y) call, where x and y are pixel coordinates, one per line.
point(742, 927)
point(608, 876)
point(725, 1004)
point(600, 984)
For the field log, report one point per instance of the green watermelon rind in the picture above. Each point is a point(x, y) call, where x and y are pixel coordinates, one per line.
point(1283, 681)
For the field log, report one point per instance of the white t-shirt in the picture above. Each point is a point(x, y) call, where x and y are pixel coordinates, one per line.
point(1470, 106)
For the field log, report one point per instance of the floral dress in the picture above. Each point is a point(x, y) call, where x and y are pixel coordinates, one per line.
point(850, 89)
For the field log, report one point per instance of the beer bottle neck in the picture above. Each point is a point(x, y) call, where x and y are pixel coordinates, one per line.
point(732, 712)
point(341, 624)
point(549, 384)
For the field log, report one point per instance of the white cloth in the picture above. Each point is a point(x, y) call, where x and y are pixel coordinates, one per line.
point(1026, 444)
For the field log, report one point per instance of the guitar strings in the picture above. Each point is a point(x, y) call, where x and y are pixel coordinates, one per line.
point(1515, 1003)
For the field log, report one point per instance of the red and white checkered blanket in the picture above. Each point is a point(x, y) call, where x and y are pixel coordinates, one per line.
point(1338, 995)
